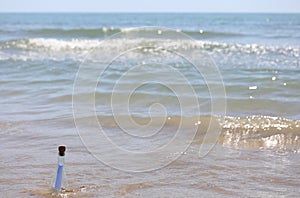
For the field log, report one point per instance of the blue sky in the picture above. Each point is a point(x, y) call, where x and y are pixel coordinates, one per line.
point(150, 6)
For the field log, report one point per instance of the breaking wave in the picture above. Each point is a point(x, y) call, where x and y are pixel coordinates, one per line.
point(77, 46)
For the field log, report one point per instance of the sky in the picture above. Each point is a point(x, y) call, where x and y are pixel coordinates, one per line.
point(276, 6)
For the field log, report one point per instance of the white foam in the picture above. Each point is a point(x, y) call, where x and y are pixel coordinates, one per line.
point(75, 45)
point(56, 44)
point(207, 45)
point(252, 87)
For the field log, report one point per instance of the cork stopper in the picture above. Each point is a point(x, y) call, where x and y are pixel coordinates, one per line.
point(61, 150)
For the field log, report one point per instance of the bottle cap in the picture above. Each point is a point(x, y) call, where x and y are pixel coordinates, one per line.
point(61, 150)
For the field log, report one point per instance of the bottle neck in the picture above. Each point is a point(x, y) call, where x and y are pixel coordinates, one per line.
point(61, 160)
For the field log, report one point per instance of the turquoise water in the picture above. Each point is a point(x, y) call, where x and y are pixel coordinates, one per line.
point(258, 59)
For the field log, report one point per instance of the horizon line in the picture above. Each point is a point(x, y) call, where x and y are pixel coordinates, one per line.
point(137, 12)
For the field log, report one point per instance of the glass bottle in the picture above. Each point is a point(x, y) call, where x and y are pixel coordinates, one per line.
point(60, 181)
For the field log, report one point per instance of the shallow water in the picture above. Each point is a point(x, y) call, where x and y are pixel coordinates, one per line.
point(230, 169)
point(255, 153)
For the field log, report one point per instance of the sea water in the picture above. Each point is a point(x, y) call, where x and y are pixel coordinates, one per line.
point(256, 153)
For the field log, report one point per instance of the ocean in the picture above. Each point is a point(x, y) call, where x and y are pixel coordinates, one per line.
point(150, 104)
